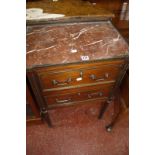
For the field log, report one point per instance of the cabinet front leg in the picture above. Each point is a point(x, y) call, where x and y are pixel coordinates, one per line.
point(45, 117)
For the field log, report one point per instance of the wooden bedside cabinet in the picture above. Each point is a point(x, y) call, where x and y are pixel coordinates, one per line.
point(75, 63)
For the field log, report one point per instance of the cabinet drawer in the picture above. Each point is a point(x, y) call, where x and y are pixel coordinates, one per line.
point(75, 95)
point(73, 77)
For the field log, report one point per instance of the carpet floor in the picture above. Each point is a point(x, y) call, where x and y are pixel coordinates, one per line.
point(77, 131)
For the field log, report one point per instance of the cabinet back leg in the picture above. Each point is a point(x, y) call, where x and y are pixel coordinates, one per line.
point(116, 111)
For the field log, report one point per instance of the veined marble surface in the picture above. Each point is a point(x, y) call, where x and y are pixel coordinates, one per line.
point(74, 42)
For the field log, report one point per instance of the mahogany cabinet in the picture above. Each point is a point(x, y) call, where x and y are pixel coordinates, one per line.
point(75, 63)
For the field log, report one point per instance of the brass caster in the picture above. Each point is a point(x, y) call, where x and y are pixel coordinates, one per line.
point(108, 128)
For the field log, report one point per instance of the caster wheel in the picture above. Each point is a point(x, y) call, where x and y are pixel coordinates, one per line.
point(109, 128)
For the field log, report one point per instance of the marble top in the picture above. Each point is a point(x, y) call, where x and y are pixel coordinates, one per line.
point(73, 42)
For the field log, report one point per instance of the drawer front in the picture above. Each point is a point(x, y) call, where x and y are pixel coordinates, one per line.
point(73, 77)
point(77, 95)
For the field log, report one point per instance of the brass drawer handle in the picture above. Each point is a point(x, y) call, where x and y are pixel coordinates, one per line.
point(95, 94)
point(80, 77)
point(55, 82)
point(63, 101)
point(93, 77)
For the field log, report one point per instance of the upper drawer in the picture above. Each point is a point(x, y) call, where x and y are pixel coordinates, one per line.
point(58, 79)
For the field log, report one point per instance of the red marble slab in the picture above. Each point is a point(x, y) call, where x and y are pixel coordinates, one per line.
point(73, 42)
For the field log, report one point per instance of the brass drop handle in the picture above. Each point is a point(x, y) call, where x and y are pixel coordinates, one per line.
point(93, 77)
point(63, 101)
point(80, 77)
point(106, 75)
point(95, 94)
point(55, 82)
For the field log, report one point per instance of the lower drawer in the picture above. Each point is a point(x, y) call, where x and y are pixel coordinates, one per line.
point(71, 96)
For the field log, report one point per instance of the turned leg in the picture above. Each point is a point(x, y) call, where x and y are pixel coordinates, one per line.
point(45, 117)
point(116, 112)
